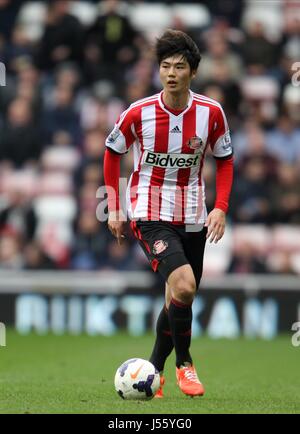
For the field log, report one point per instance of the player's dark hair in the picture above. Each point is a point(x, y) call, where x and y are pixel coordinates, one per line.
point(174, 42)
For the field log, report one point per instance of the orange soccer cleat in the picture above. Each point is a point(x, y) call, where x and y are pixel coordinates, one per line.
point(159, 393)
point(188, 381)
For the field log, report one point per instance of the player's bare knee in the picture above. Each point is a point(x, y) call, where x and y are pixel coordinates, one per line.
point(184, 290)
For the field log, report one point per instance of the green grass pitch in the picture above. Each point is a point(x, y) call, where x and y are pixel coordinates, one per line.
point(74, 374)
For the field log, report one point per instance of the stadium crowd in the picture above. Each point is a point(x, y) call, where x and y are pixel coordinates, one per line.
point(68, 79)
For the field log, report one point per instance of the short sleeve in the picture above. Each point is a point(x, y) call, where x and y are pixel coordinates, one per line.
point(220, 140)
point(121, 137)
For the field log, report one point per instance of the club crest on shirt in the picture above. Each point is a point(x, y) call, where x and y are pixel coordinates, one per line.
point(159, 246)
point(196, 143)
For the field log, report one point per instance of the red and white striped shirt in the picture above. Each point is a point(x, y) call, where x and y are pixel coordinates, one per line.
point(169, 151)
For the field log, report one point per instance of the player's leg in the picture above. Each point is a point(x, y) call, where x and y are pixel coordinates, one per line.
point(163, 245)
point(159, 240)
point(194, 245)
point(163, 345)
point(182, 286)
point(168, 295)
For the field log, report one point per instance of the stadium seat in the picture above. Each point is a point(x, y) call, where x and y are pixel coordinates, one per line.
point(273, 22)
point(217, 256)
point(215, 262)
point(285, 237)
point(122, 7)
point(55, 208)
point(24, 181)
point(258, 236)
point(55, 216)
point(283, 262)
point(192, 15)
point(60, 158)
point(85, 12)
point(295, 259)
point(55, 184)
point(55, 238)
point(31, 17)
point(260, 88)
point(150, 18)
point(291, 94)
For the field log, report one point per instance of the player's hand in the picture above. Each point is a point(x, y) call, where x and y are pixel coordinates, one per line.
point(116, 222)
point(215, 223)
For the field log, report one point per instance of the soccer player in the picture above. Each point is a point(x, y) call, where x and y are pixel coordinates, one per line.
point(170, 133)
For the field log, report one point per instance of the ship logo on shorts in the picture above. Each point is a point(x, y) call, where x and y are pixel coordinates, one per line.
point(159, 246)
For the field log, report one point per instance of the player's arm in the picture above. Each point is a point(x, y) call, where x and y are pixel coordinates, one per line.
point(223, 153)
point(111, 170)
point(117, 144)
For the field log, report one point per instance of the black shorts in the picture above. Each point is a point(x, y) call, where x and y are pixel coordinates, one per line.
point(168, 246)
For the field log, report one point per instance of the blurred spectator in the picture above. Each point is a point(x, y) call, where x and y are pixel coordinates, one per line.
point(250, 196)
point(140, 79)
point(257, 51)
point(60, 156)
point(219, 55)
point(87, 198)
point(94, 145)
point(89, 244)
point(92, 174)
point(135, 91)
point(65, 76)
point(209, 177)
point(20, 140)
point(112, 43)
point(229, 10)
point(118, 257)
point(291, 102)
point(19, 50)
point(282, 263)
point(8, 13)
point(62, 116)
point(290, 40)
point(250, 143)
point(28, 87)
point(62, 39)
point(18, 214)
point(36, 259)
point(283, 141)
point(222, 82)
point(260, 98)
point(285, 195)
point(25, 85)
point(246, 261)
point(90, 168)
point(11, 257)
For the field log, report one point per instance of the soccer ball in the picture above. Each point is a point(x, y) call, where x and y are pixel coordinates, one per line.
point(137, 379)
